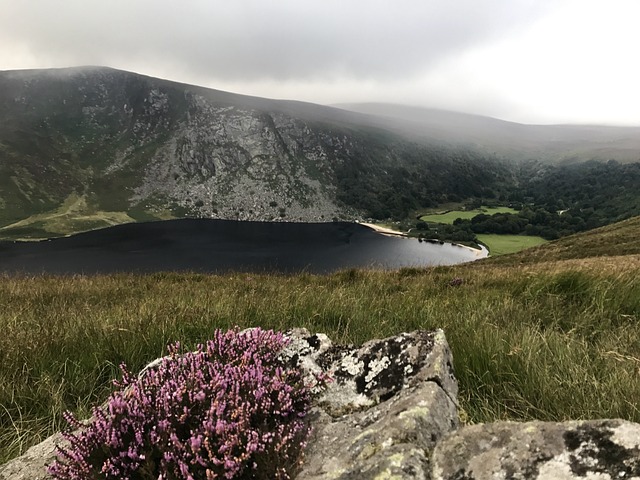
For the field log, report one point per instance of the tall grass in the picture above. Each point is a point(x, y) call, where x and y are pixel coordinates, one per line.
point(528, 343)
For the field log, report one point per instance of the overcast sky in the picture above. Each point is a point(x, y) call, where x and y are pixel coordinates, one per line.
point(531, 61)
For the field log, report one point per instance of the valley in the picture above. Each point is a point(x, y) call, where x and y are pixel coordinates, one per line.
point(89, 147)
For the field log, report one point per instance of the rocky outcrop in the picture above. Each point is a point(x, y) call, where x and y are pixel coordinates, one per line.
point(390, 412)
point(241, 163)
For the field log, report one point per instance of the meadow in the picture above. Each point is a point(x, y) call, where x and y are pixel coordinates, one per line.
point(450, 216)
point(497, 244)
point(552, 340)
point(504, 244)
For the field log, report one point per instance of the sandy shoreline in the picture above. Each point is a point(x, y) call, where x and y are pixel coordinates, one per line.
point(386, 230)
point(482, 252)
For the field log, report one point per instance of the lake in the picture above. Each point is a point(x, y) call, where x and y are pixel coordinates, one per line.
point(217, 246)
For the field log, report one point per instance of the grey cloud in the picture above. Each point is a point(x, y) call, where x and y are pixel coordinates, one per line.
point(254, 39)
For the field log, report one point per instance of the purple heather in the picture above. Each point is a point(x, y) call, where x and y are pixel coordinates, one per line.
point(228, 410)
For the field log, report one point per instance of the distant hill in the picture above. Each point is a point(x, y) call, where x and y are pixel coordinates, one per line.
point(83, 148)
point(551, 143)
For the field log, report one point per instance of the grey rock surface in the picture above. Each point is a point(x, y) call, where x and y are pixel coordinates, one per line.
point(33, 464)
point(390, 401)
point(241, 163)
point(601, 449)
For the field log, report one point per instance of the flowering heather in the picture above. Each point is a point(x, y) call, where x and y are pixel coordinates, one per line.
point(229, 410)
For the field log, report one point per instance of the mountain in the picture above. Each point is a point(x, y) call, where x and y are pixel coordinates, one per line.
point(82, 148)
point(550, 143)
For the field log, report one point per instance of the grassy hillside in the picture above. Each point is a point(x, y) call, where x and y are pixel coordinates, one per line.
point(621, 238)
point(452, 215)
point(73, 216)
point(552, 338)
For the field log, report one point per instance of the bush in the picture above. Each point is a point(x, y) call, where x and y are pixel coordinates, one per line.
point(230, 409)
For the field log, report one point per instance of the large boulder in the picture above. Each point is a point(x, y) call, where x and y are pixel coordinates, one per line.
point(388, 404)
point(389, 411)
point(601, 449)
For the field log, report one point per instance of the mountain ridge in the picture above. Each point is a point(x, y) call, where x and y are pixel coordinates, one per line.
point(88, 147)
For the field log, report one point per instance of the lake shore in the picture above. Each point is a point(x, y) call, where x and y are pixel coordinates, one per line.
point(481, 252)
point(385, 230)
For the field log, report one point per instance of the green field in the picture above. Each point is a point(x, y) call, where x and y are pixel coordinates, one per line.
point(503, 244)
point(450, 216)
point(621, 238)
point(73, 216)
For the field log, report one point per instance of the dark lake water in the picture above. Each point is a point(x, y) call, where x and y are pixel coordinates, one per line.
point(203, 245)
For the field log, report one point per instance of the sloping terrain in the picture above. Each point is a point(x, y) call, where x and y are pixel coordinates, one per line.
point(122, 145)
point(615, 240)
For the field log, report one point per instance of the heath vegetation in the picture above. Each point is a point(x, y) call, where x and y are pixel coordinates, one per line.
point(231, 409)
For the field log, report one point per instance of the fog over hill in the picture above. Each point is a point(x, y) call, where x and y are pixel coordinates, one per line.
point(552, 143)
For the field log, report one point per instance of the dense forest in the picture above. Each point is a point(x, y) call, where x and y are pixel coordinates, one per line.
point(401, 178)
point(554, 201)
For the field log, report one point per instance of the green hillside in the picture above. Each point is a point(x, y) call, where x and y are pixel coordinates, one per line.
point(618, 239)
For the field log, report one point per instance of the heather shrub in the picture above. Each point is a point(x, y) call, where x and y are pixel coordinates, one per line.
point(229, 410)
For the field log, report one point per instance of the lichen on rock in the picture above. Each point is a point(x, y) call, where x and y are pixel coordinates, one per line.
point(384, 410)
point(596, 449)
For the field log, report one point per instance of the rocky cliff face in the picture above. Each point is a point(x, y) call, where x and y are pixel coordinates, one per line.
point(131, 142)
point(234, 162)
point(391, 413)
